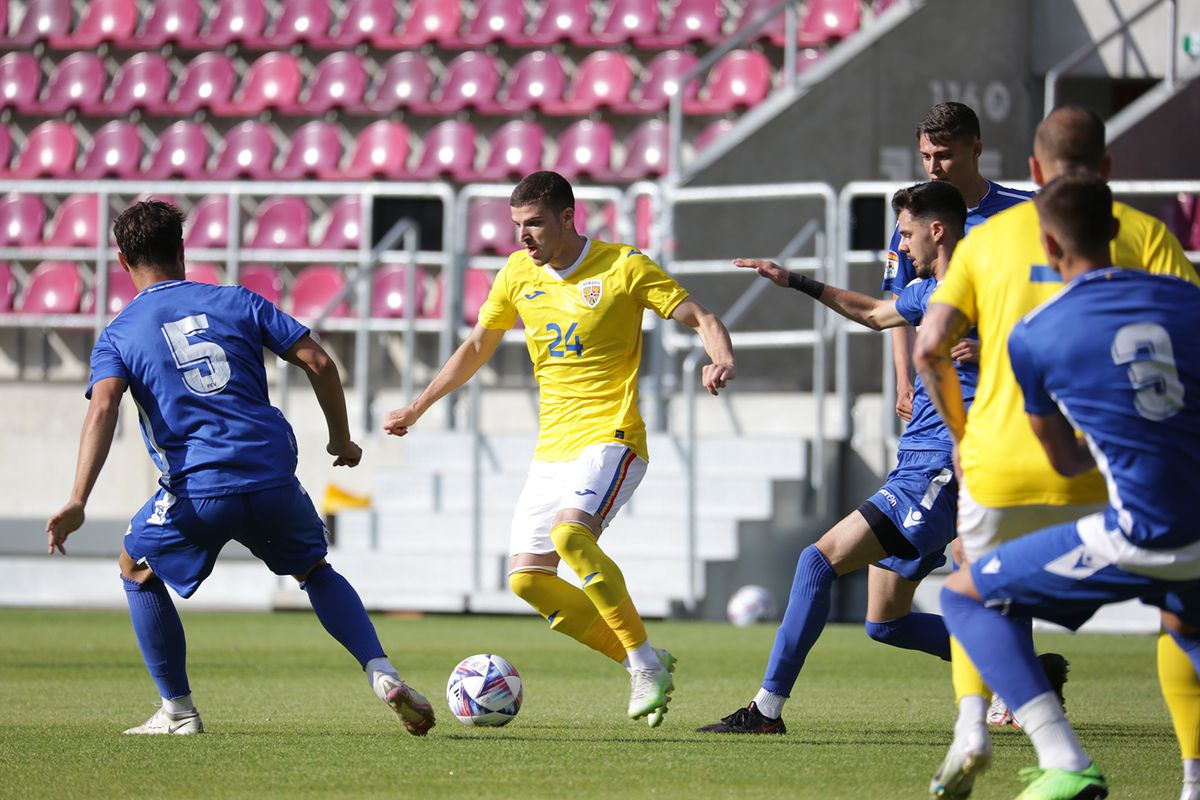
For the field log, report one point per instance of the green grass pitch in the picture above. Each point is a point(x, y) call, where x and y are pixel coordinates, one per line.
point(289, 715)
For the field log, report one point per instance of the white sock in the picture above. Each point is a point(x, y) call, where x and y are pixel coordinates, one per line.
point(644, 657)
point(180, 705)
point(1044, 723)
point(376, 666)
point(971, 727)
point(1191, 770)
point(770, 705)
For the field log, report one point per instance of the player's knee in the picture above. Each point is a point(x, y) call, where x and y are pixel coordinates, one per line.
point(522, 583)
point(301, 578)
point(880, 631)
point(563, 536)
point(131, 570)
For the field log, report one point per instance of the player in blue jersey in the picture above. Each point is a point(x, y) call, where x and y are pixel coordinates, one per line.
point(902, 530)
point(191, 355)
point(1115, 357)
point(948, 139)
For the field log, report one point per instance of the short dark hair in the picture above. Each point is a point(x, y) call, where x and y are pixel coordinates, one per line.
point(1073, 136)
point(1077, 209)
point(548, 188)
point(947, 122)
point(933, 200)
point(148, 233)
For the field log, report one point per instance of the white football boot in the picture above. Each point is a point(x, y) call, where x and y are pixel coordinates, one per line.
point(1191, 791)
point(968, 757)
point(165, 723)
point(412, 707)
point(655, 717)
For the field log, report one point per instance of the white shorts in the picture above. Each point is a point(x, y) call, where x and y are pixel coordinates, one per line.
point(984, 528)
point(599, 481)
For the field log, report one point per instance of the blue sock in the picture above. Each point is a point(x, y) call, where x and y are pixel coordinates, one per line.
point(1000, 647)
point(341, 612)
point(159, 635)
point(1189, 645)
point(915, 631)
point(803, 621)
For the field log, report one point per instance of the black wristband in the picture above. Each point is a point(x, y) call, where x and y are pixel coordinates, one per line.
point(803, 283)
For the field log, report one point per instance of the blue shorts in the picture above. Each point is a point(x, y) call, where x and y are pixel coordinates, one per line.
point(180, 537)
point(914, 513)
point(1051, 574)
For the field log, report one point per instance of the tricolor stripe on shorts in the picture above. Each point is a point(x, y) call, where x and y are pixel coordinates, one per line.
point(614, 488)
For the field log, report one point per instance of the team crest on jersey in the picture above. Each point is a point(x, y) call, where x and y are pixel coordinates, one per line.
point(591, 291)
point(893, 263)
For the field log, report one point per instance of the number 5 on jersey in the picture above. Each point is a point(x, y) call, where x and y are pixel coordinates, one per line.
point(563, 343)
point(191, 356)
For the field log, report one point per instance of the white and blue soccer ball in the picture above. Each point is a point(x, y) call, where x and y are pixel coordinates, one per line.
point(485, 690)
point(750, 604)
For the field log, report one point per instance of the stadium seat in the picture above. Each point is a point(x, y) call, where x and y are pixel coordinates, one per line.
point(315, 148)
point(470, 79)
point(49, 152)
point(627, 20)
point(647, 152)
point(262, 279)
point(232, 21)
point(643, 221)
point(203, 272)
point(248, 150)
point(490, 228)
point(340, 227)
point(142, 82)
point(208, 79)
point(8, 288)
point(537, 77)
point(688, 22)
point(339, 81)
point(661, 81)
point(43, 20)
point(713, 131)
point(828, 21)
point(78, 80)
point(168, 21)
point(494, 21)
point(739, 80)
point(207, 226)
point(476, 285)
point(808, 56)
point(103, 21)
point(560, 21)
point(271, 82)
point(312, 290)
point(405, 79)
point(428, 22)
point(22, 219)
point(76, 222)
point(585, 148)
point(517, 149)
point(115, 152)
point(120, 291)
point(604, 78)
point(363, 19)
point(750, 10)
point(298, 21)
point(279, 223)
point(449, 151)
point(54, 287)
point(388, 286)
point(181, 151)
point(6, 145)
point(380, 150)
point(20, 80)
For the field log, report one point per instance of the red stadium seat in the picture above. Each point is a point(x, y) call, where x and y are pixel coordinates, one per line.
point(661, 81)
point(271, 82)
point(471, 79)
point(78, 81)
point(181, 151)
point(585, 148)
point(208, 79)
point(517, 149)
point(560, 21)
point(248, 150)
point(827, 21)
point(54, 287)
point(103, 21)
point(207, 226)
point(76, 222)
point(643, 221)
point(647, 152)
point(298, 21)
point(49, 152)
point(340, 227)
point(115, 152)
point(204, 272)
point(315, 148)
point(428, 22)
point(739, 80)
point(262, 279)
point(536, 78)
point(476, 285)
point(22, 219)
point(388, 287)
point(168, 21)
point(280, 223)
point(233, 21)
point(604, 78)
point(494, 21)
point(490, 228)
point(339, 81)
point(687, 22)
point(406, 79)
point(43, 20)
point(628, 20)
point(449, 151)
point(120, 291)
point(363, 19)
point(711, 133)
point(20, 80)
point(314, 287)
point(380, 150)
point(142, 82)
point(8, 288)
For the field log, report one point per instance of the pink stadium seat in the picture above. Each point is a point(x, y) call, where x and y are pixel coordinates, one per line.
point(78, 80)
point(232, 21)
point(204, 272)
point(517, 149)
point(142, 82)
point(739, 80)
point(494, 21)
point(103, 21)
point(406, 79)
point(339, 81)
point(115, 152)
point(380, 150)
point(476, 284)
point(298, 21)
point(808, 56)
point(314, 287)
point(20, 80)
point(181, 151)
point(647, 152)
point(168, 21)
point(22, 218)
point(43, 19)
point(687, 22)
point(49, 152)
point(271, 82)
point(490, 228)
point(428, 22)
point(388, 286)
point(262, 279)
point(561, 20)
point(628, 20)
point(749, 12)
point(604, 78)
point(120, 291)
point(54, 287)
point(208, 224)
point(76, 222)
point(280, 223)
point(340, 227)
point(643, 221)
point(363, 19)
point(315, 148)
point(661, 81)
point(711, 133)
point(585, 148)
point(248, 150)
point(449, 151)
point(538, 77)
point(8, 288)
point(207, 80)
point(828, 21)
point(470, 79)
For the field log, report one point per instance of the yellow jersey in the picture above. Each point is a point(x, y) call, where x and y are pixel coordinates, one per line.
point(997, 275)
point(583, 328)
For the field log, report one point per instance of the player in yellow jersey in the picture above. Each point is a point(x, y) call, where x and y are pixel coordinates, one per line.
point(997, 275)
point(581, 301)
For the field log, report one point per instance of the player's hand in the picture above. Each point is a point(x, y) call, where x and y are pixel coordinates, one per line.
point(347, 454)
point(715, 376)
point(904, 398)
point(768, 269)
point(958, 553)
point(966, 350)
point(399, 420)
point(63, 524)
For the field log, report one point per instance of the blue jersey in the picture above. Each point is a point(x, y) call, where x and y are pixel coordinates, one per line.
point(192, 355)
point(899, 271)
point(1117, 353)
point(925, 429)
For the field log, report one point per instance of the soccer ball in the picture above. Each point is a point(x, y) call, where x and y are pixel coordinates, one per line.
point(750, 604)
point(485, 690)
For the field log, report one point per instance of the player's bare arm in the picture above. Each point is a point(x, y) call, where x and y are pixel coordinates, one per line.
point(1068, 452)
point(902, 345)
point(942, 327)
point(863, 309)
point(322, 373)
point(94, 442)
point(472, 354)
point(715, 339)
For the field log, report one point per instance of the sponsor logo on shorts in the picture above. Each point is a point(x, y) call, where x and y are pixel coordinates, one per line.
point(1077, 564)
point(992, 567)
point(913, 518)
point(891, 498)
point(591, 291)
point(584, 493)
point(161, 506)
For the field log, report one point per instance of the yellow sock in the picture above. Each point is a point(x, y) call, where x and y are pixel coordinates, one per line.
point(567, 609)
point(602, 581)
point(966, 679)
point(1181, 690)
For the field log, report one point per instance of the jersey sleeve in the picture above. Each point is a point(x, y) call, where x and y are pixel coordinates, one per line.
point(958, 288)
point(1028, 374)
point(651, 286)
point(1164, 255)
point(498, 312)
point(898, 270)
point(106, 363)
point(910, 304)
point(279, 330)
